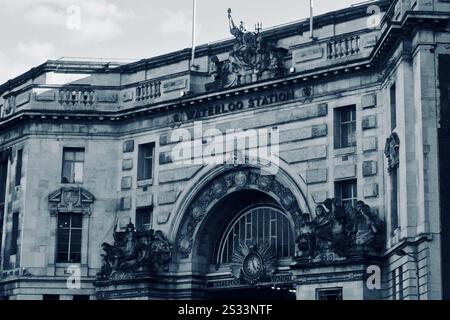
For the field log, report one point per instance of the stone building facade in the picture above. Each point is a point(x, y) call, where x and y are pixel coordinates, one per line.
point(98, 202)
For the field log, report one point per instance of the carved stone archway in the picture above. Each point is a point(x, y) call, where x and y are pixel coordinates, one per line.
point(230, 181)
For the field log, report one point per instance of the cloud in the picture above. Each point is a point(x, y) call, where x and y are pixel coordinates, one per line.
point(36, 51)
point(79, 21)
point(176, 22)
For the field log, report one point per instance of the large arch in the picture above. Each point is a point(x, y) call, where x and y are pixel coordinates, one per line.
point(213, 184)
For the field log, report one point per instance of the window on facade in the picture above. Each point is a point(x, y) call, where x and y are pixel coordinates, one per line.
point(73, 163)
point(3, 172)
point(347, 192)
point(14, 233)
point(3, 176)
point(50, 297)
point(2, 208)
point(329, 294)
point(345, 127)
point(394, 199)
point(19, 167)
point(393, 96)
point(258, 225)
point(145, 161)
point(144, 219)
point(397, 283)
point(69, 238)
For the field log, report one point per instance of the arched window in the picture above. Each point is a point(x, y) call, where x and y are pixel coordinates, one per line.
point(258, 225)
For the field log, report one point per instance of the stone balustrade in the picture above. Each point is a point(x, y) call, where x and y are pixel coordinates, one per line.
point(76, 96)
point(344, 47)
point(148, 91)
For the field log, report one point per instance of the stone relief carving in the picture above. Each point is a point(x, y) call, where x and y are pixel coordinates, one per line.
point(252, 57)
point(239, 179)
point(339, 229)
point(134, 252)
point(391, 151)
point(71, 199)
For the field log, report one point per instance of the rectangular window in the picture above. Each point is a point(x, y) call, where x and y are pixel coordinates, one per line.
point(50, 297)
point(397, 283)
point(3, 176)
point(14, 233)
point(145, 161)
point(347, 192)
point(345, 127)
point(144, 219)
point(329, 294)
point(393, 97)
point(19, 167)
point(394, 199)
point(73, 163)
point(69, 238)
point(2, 208)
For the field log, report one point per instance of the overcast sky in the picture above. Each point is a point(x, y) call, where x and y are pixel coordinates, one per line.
point(33, 31)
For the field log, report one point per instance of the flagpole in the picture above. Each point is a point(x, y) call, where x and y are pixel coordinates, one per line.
point(311, 19)
point(194, 17)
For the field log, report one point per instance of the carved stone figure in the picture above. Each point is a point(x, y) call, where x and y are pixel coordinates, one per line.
point(135, 252)
point(252, 57)
point(391, 151)
point(343, 230)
